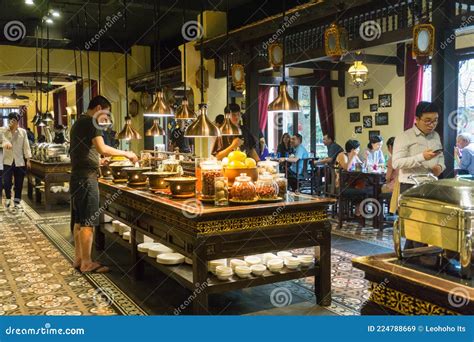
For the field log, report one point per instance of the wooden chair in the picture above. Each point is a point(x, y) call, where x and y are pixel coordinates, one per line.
point(307, 179)
point(346, 198)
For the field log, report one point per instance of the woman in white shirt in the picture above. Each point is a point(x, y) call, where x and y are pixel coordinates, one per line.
point(374, 154)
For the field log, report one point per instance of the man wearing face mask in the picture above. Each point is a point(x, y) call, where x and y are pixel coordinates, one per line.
point(16, 158)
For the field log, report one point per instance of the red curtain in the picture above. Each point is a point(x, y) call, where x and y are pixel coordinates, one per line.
point(23, 111)
point(263, 93)
point(324, 103)
point(413, 88)
point(79, 97)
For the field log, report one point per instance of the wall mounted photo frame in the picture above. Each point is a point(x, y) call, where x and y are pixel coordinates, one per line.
point(358, 130)
point(353, 102)
point(373, 107)
point(381, 119)
point(354, 117)
point(385, 100)
point(373, 133)
point(367, 121)
point(367, 94)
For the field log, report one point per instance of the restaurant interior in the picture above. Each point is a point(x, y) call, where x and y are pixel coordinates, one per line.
point(305, 212)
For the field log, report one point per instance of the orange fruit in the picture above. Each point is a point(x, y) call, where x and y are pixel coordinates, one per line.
point(250, 162)
point(237, 156)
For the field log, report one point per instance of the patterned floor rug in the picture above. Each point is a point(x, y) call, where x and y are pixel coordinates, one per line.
point(353, 230)
point(37, 279)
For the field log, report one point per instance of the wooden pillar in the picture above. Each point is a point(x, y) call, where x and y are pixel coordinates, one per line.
point(312, 101)
point(445, 70)
point(251, 98)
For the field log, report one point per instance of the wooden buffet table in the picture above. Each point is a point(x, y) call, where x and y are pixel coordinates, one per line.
point(414, 286)
point(222, 232)
point(50, 174)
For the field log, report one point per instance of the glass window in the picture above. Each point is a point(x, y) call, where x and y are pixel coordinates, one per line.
point(304, 117)
point(426, 90)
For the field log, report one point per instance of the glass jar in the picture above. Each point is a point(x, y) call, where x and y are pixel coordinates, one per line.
point(269, 166)
point(267, 188)
point(282, 183)
point(145, 159)
point(170, 165)
point(210, 170)
point(243, 189)
point(221, 185)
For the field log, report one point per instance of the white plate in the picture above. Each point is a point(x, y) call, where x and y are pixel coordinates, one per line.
point(143, 247)
point(158, 249)
point(170, 259)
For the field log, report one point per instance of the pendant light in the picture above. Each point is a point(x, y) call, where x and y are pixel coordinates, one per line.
point(202, 127)
point(358, 72)
point(127, 132)
point(155, 130)
point(159, 108)
point(228, 128)
point(283, 103)
point(184, 111)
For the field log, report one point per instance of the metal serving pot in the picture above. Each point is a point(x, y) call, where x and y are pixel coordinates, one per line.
point(156, 180)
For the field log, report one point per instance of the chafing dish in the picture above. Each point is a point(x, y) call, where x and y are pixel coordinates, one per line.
point(438, 213)
point(157, 181)
point(135, 175)
point(182, 187)
point(117, 172)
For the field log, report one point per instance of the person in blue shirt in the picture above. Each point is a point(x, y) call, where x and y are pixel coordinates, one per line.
point(296, 167)
point(464, 153)
point(374, 154)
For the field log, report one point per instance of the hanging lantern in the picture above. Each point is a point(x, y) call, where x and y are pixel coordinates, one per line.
point(128, 132)
point(284, 103)
point(238, 77)
point(229, 129)
point(359, 73)
point(185, 112)
point(336, 41)
point(155, 130)
point(48, 117)
point(159, 108)
point(423, 43)
point(275, 55)
point(202, 127)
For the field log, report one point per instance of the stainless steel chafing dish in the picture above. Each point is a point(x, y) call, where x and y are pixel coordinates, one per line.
point(438, 213)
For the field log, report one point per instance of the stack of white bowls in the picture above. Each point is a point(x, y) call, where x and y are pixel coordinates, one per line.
point(268, 256)
point(126, 236)
point(123, 228)
point(253, 260)
point(275, 265)
point(224, 272)
point(116, 226)
point(292, 263)
point(158, 249)
point(213, 264)
point(143, 247)
point(243, 271)
point(306, 260)
point(258, 270)
point(237, 262)
point(284, 254)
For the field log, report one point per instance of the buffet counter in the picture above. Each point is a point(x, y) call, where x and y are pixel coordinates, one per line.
point(203, 232)
point(416, 285)
point(51, 174)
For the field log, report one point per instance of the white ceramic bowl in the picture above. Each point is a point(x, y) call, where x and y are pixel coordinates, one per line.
point(258, 270)
point(213, 264)
point(268, 256)
point(243, 271)
point(284, 254)
point(237, 262)
point(253, 260)
point(126, 236)
point(224, 276)
point(143, 247)
point(275, 269)
point(292, 263)
point(221, 270)
point(306, 260)
point(275, 263)
point(116, 225)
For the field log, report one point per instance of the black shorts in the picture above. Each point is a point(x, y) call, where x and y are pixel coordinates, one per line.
point(85, 201)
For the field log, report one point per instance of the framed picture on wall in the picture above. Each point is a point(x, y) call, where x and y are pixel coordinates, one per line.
point(381, 119)
point(358, 130)
point(367, 94)
point(367, 121)
point(385, 100)
point(373, 133)
point(354, 117)
point(373, 107)
point(353, 102)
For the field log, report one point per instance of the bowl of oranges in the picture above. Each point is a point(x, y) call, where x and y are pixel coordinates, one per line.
point(236, 163)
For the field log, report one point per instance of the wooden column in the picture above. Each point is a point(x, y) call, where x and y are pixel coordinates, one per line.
point(445, 70)
point(251, 98)
point(312, 102)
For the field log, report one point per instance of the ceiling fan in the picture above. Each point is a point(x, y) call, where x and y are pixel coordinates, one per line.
point(15, 96)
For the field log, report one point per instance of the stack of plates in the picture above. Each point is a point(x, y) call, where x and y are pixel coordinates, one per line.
point(292, 263)
point(253, 260)
point(258, 270)
point(306, 260)
point(116, 226)
point(123, 228)
point(237, 262)
point(143, 247)
point(284, 254)
point(243, 271)
point(170, 259)
point(213, 264)
point(223, 272)
point(126, 236)
point(159, 249)
point(275, 265)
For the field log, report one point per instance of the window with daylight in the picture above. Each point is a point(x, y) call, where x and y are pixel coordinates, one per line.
point(306, 122)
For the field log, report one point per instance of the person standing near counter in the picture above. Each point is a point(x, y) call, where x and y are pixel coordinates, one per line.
point(16, 158)
point(87, 144)
point(418, 150)
point(246, 142)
